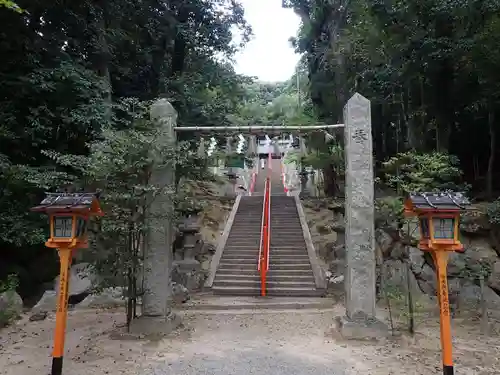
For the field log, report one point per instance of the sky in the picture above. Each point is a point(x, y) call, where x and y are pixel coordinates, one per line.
point(269, 55)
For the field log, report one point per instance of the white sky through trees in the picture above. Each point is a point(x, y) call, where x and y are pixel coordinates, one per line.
point(269, 55)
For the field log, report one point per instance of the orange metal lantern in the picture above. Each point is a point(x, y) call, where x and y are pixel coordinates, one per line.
point(439, 216)
point(68, 214)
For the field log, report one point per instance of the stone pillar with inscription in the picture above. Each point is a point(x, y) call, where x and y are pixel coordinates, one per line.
point(360, 321)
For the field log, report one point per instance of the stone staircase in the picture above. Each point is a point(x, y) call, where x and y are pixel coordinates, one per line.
point(290, 272)
point(237, 272)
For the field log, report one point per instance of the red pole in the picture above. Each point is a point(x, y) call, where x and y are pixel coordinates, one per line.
point(263, 265)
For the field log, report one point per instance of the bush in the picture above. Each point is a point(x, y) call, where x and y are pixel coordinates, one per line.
point(388, 211)
point(418, 172)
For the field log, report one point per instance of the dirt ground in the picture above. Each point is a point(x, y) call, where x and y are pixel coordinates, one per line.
point(240, 342)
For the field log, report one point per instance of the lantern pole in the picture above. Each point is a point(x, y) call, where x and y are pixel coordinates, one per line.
point(81, 206)
point(440, 258)
point(65, 257)
point(446, 207)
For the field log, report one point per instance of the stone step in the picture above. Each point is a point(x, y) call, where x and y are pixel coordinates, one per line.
point(290, 261)
point(270, 277)
point(237, 248)
point(275, 243)
point(237, 266)
point(287, 257)
point(246, 224)
point(278, 243)
point(230, 303)
point(232, 257)
point(255, 252)
point(276, 235)
point(290, 266)
point(274, 291)
point(249, 266)
point(269, 283)
point(250, 270)
point(238, 260)
point(242, 234)
point(241, 244)
point(289, 273)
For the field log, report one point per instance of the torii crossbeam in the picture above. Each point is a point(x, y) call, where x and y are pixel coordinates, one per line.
point(256, 128)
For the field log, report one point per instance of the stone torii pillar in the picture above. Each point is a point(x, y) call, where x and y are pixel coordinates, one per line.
point(360, 321)
point(157, 315)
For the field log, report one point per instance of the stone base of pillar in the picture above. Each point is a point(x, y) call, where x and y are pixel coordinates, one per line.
point(361, 328)
point(155, 326)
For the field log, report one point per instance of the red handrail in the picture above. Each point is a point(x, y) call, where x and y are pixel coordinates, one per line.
point(265, 235)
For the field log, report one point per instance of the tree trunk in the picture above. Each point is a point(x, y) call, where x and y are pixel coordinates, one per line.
point(330, 176)
point(491, 160)
point(101, 57)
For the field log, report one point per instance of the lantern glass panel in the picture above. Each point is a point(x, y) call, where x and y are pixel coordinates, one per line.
point(424, 227)
point(63, 226)
point(444, 228)
point(81, 227)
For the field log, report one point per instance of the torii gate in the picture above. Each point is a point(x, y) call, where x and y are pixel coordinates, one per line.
point(360, 277)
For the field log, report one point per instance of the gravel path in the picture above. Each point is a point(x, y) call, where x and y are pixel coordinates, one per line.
point(253, 344)
point(266, 342)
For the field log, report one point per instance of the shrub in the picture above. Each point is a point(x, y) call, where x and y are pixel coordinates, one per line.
point(418, 172)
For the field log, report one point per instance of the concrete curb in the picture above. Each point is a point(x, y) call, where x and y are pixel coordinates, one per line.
point(214, 265)
point(319, 275)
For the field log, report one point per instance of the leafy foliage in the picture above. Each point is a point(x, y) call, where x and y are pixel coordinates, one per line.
point(67, 90)
point(429, 69)
point(419, 172)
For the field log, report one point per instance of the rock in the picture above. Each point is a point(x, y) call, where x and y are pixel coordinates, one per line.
point(339, 252)
point(384, 241)
point(474, 222)
point(48, 302)
point(108, 297)
point(39, 316)
point(82, 279)
point(470, 298)
point(336, 280)
point(336, 284)
point(337, 267)
point(457, 264)
point(427, 280)
point(415, 259)
point(180, 294)
point(208, 248)
point(338, 227)
point(398, 251)
point(395, 277)
point(494, 278)
point(495, 238)
point(11, 304)
point(189, 273)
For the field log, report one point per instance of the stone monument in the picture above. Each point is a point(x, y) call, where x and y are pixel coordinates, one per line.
point(360, 321)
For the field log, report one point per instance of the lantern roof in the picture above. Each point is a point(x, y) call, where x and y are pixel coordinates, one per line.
point(441, 201)
point(70, 202)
